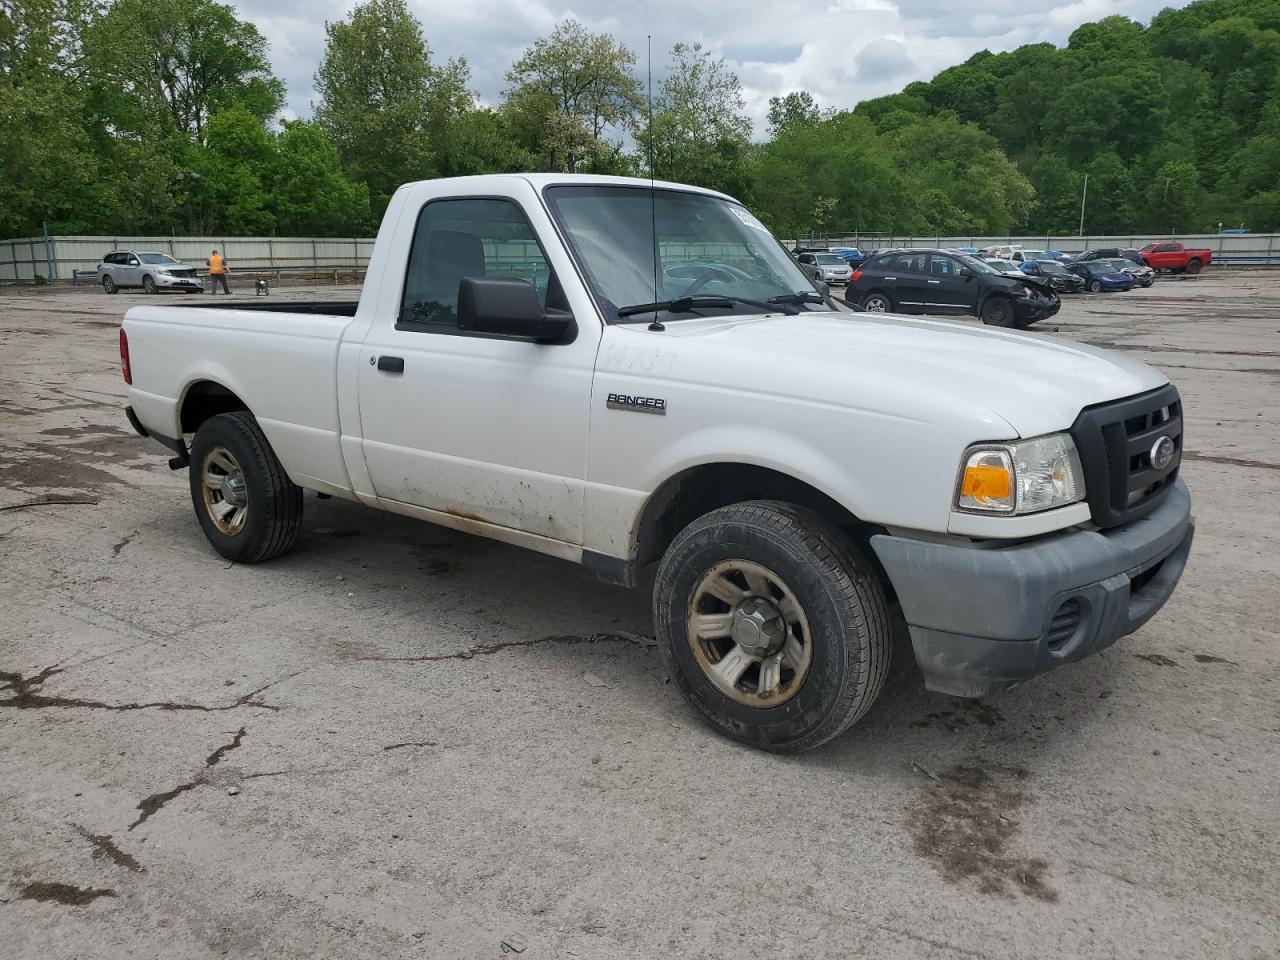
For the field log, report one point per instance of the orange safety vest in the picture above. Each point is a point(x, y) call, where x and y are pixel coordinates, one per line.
point(215, 264)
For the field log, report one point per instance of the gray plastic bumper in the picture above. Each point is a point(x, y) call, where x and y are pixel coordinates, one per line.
point(983, 619)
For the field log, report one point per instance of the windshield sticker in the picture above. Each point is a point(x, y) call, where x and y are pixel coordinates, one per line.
point(746, 217)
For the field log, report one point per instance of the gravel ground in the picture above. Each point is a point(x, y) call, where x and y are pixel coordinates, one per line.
point(398, 741)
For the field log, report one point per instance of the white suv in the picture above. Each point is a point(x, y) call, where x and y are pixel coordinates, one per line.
point(150, 270)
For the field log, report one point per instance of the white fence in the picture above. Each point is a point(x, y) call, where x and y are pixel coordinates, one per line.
point(58, 258)
point(1227, 248)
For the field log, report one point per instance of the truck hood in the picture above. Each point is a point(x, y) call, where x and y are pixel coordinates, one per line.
point(1034, 383)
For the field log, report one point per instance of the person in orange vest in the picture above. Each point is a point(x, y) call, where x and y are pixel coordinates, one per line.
point(218, 271)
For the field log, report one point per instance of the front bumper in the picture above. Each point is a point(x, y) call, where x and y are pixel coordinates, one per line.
point(183, 283)
point(1031, 309)
point(984, 619)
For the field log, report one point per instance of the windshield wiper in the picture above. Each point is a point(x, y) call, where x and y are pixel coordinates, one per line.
point(800, 296)
point(682, 304)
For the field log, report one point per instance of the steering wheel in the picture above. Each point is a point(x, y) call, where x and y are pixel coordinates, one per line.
point(712, 269)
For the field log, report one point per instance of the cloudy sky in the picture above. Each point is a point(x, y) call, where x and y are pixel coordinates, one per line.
point(841, 51)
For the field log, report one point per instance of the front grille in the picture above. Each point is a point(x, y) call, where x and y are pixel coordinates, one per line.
point(183, 273)
point(1115, 441)
point(1064, 624)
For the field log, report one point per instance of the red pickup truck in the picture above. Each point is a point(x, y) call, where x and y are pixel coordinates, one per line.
point(1171, 255)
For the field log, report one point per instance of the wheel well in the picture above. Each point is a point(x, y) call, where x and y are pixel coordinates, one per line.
point(207, 399)
point(699, 490)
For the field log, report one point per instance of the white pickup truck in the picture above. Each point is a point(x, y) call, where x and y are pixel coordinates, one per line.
point(625, 374)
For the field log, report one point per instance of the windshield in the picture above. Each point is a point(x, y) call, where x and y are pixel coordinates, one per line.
point(830, 259)
point(1002, 266)
point(156, 258)
point(1121, 265)
point(706, 246)
point(1051, 266)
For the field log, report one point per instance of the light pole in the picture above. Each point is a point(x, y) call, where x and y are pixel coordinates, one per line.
point(1083, 193)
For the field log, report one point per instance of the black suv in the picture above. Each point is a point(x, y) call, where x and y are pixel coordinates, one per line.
point(933, 281)
point(1108, 253)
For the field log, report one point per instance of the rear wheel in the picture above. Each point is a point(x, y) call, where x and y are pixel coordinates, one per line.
point(148, 285)
point(1194, 266)
point(109, 285)
point(998, 312)
point(877, 302)
point(772, 624)
point(246, 504)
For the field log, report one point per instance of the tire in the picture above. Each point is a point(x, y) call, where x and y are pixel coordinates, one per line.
point(1095, 286)
point(148, 285)
point(842, 621)
point(109, 286)
point(272, 502)
point(1194, 266)
point(998, 312)
point(877, 302)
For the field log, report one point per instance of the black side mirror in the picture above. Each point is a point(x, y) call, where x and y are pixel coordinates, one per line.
point(967, 272)
point(510, 308)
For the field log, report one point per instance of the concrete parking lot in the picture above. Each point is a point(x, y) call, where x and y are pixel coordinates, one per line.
point(398, 741)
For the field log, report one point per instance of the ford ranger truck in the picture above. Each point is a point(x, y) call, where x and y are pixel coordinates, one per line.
point(638, 378)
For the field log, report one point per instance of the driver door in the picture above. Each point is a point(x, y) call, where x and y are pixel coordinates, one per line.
point(129, 273)
point(481, 427)
point(949, 288)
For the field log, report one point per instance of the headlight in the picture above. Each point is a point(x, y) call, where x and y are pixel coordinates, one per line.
point(1030, 291)
point(1022, 477)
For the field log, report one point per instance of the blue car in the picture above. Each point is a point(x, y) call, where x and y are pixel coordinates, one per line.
point(850, 255)
point(1101, 277)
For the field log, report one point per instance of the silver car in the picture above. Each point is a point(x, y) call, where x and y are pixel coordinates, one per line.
point(148, 269)
point(827, 267)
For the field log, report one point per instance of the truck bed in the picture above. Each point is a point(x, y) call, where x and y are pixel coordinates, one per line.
point(333, 308)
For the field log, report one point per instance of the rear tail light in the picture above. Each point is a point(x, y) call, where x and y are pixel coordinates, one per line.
point(855, 275)
point(124, 358)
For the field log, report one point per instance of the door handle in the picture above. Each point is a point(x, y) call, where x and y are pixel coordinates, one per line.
point(391, 364)
point(935, 281)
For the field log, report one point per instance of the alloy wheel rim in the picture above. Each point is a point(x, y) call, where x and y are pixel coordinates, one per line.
point(226, 495)
point(877, 305)
point(749, 634)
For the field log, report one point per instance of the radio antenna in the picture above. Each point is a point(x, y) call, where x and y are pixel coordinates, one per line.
point(653, 195)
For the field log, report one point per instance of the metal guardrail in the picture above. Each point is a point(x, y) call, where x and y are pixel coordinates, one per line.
point(78, 276)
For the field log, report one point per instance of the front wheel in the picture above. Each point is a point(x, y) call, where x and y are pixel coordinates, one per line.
point(109, 285)
point(148, 285)
point(998, 312)
point(246, 504)
point(772, 624)
point(877, 302)
point(1096, 286)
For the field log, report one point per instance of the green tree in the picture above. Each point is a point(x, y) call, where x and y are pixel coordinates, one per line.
point(572, 96)
point(180, 60)
point(310, 194)
point(792, 111)
point(699, 133)
point(375, 83)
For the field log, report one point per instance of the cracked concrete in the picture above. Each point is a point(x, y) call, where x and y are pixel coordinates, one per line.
point(383, 744)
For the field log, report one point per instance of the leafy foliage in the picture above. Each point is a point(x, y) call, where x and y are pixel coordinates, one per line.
point(136, 116)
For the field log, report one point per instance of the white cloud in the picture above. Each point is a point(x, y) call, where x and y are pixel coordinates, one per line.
point(841, 51)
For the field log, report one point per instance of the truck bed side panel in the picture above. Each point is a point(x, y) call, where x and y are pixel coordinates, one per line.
point(282, 366)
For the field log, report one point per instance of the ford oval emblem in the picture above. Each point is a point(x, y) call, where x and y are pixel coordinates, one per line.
point(1162, 453)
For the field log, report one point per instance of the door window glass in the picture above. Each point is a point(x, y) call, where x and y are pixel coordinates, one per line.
point(907, 263)
point(467, 238)
point(943, 267)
